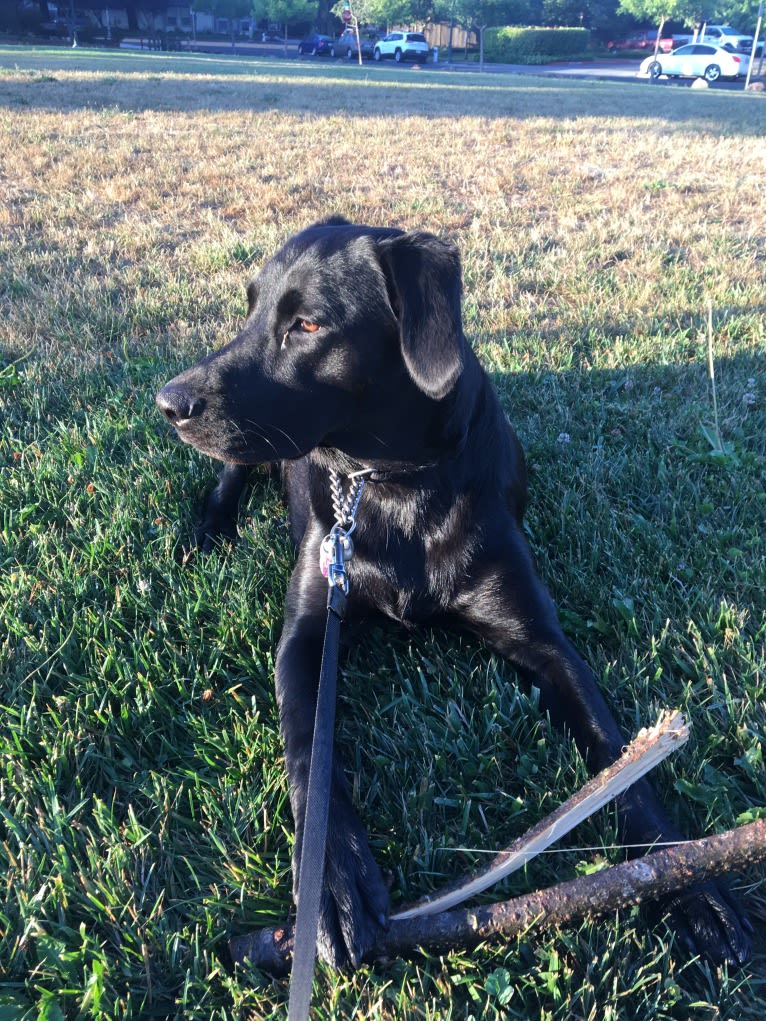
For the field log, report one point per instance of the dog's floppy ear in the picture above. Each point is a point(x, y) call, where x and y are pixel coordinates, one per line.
point(332, 221)
point(423, 276)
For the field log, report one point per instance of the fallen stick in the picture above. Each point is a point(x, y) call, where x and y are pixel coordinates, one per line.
point(622, 885)
point(648, 748)
point(644, 752)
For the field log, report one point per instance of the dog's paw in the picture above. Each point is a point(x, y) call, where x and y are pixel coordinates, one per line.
point(708, 921)
point(355, 905)
point(354, 902)
point(211, 534)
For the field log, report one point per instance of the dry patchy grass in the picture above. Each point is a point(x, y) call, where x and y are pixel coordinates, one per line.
point(615, 218)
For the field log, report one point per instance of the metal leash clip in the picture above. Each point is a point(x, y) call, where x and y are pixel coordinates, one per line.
point(335, 551)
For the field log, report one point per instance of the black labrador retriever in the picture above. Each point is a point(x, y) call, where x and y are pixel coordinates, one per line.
point(353, 356)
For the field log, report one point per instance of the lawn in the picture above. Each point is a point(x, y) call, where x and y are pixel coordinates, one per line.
point(143, 806)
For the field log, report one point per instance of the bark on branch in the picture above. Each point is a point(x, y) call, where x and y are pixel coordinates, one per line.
point(621, 885)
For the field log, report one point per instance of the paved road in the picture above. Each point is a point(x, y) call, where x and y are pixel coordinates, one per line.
point(615, 69)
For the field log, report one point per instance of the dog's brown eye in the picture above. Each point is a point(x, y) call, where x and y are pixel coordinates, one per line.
point(307, 326)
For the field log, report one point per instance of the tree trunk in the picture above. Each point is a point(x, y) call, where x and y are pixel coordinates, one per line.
point(131, 9)
point(659, 36)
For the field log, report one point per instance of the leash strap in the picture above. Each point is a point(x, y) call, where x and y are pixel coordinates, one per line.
point(311, 874)
point(335, 551)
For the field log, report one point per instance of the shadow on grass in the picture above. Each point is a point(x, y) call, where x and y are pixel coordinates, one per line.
point(138, 689)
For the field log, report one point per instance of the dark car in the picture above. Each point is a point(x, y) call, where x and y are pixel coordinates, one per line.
point(345, 45)
point(317, 45)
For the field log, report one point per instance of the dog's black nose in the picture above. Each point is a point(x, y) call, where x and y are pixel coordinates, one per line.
point(177, 405)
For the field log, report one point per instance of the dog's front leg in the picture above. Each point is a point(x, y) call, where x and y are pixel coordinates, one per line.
point(508, 606)
point(219, 518)
point(354, 898)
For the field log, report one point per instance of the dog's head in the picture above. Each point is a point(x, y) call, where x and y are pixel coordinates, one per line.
point(350, 331)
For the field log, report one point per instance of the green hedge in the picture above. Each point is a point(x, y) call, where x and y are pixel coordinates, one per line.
point(510, 45)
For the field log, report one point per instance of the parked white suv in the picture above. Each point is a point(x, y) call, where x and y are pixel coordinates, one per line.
point(726, 37)
point(402, 46)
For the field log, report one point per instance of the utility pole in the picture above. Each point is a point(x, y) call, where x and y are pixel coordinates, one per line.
point(758, 24)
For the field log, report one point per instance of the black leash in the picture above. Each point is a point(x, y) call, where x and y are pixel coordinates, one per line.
point(311, 875)
point(336, 550)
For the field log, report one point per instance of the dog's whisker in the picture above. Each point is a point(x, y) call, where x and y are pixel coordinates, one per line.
point(286, 435)
point(266, 439)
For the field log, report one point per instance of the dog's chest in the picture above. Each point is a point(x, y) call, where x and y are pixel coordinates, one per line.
point(408, 575)
point(405, 598)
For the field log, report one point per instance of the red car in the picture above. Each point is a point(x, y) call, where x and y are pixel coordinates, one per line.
point(635, 41)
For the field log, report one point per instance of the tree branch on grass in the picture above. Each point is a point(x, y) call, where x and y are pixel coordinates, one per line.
point(648, 749)
point(620, 886)
point(430, 924)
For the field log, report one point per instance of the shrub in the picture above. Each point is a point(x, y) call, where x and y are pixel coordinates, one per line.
point(534, 45)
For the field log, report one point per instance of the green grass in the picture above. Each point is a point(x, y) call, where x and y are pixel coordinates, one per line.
point(143, 804)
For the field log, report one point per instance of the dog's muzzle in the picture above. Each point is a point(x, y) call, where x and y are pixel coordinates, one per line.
point(178, 406)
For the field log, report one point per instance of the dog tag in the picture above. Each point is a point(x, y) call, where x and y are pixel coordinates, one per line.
point(327, 552)
point(325, 555)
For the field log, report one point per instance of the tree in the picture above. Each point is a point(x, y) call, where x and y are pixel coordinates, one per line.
point(395, 12)
point(232, 10)
point(378, 12)
point(606, 22)
point(141, 14)
point(284, 12)
point(566, 12)
point(741, 13)
point(479, 15)
point(660, 11)
point(449, 11)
